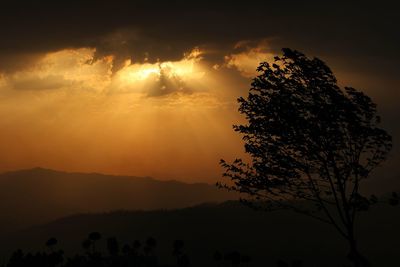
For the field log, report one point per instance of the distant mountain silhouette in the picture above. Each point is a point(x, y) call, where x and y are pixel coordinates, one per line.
point(265, 236)
point(40, 195)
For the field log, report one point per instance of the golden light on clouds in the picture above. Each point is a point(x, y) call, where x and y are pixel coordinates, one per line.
point(76, 110)
point(162, 77)
point(247, 59)
point(131, 73)
point(73, 111)
point(67, 69)
point(78, 69)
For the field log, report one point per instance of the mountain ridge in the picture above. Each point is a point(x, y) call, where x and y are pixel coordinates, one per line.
point(227, 226)
point(38, 195)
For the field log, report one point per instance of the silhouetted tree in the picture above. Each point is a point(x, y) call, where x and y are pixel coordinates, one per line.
point(218, 257)
point(150, 258)
point(129, 257)
point(86, 244)
point(233, 258)
point(136, 245)
point(182, 260)
point(281, 263)
point(126, 249)
point(51, 243)
point(151, 243)
point(245, 259)
point(93, 237)
point(308, 140)
point(113, 246)
point(394, 199)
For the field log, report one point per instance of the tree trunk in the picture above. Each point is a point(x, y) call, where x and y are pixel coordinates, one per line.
point(355, 256)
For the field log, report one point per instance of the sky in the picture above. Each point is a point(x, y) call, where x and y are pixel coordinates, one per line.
point(149, 88)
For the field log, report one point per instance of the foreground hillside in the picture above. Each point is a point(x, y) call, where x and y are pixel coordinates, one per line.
point(226, 227)
point(39, 195)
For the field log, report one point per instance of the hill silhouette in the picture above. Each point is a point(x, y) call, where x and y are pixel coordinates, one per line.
point(37, 196)
point(265, 236)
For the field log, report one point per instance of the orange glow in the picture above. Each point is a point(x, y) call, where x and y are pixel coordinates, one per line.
point(187, 70)
point(72, 112)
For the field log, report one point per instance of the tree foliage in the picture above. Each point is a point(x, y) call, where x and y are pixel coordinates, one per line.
point(308, 140)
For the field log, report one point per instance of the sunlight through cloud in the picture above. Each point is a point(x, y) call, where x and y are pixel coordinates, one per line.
point(163, 78)
point(248, 56)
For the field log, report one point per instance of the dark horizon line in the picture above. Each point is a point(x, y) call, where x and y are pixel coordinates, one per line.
point(43, 169)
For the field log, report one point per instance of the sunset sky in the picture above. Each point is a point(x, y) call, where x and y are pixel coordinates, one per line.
point(149, 88)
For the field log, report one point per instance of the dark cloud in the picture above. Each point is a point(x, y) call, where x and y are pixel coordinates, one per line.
point(351, 36)
point(165, 29)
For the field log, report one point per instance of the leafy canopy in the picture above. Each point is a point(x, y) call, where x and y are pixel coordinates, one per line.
point(308, 139)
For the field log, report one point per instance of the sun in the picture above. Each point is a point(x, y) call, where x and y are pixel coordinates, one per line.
point(138, 72)
point(186, 69)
